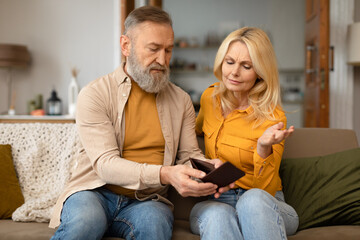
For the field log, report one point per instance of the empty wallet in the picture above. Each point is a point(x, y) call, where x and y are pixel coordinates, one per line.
point(221, 176)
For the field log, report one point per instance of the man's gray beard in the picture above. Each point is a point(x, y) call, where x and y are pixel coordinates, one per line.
point(142, 76)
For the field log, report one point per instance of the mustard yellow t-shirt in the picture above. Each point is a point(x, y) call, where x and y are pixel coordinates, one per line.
point(234, 139)
point(144, 142)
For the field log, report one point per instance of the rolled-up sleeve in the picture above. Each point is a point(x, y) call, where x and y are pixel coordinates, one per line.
point(266, 170)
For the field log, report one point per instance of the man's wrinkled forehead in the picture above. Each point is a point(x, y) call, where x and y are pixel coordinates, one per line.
point(139, 28)
point(150, 32)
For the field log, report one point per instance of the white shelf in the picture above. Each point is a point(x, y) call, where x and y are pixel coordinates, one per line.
point(46, 117)
point(30, 118)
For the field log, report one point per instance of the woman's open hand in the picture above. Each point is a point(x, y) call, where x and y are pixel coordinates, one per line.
point(271, 136)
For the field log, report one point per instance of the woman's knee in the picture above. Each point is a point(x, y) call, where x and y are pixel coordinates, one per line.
point(255, 200)
point(211, 215)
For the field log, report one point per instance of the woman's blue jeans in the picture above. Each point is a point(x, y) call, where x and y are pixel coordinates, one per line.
point(99, 213)
point(244, 214)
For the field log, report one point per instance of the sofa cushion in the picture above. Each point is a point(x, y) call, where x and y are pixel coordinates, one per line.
point(10, 230)
point(328, 233)
point(10, 192)
point(324, 190)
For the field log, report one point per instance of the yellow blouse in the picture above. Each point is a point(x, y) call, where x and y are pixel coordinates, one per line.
point(234, 139)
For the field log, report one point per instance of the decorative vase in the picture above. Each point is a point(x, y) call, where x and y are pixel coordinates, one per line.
point(72, 94)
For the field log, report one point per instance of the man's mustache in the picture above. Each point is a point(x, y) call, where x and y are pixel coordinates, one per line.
point(158, 67)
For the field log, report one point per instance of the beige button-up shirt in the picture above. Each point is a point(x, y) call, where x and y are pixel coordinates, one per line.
point(101, 125)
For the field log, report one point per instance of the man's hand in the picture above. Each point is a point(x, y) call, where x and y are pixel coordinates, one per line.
point(179, 176)
point(271, 136)
point(217, 163)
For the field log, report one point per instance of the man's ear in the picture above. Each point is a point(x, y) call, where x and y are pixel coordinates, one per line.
point(125, 45)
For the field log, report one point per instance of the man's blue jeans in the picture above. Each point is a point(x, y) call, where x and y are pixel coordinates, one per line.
point(239, 214)
point(96, 213)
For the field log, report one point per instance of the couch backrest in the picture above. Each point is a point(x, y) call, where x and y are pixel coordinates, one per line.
point(304, 142)
point(310, 142)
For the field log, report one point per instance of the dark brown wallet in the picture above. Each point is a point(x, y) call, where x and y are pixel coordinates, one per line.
point(221, 176)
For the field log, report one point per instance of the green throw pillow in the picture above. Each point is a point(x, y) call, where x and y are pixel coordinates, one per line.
point(324, 190)
point(10, 193)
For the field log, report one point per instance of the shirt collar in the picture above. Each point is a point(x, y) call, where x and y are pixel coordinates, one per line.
point(248, 110)
point(120, 74)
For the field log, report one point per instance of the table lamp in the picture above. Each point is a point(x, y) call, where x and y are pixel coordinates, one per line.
point(13, 56)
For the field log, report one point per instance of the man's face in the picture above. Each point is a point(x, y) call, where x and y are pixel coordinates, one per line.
point(149, 56)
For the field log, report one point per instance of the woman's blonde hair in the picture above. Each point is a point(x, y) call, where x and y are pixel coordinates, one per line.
point(264, 96)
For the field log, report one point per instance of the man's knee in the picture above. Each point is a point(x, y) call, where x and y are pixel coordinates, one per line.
point(157, 213)
point(152, 220)
point(82, 216)
point(84, 205)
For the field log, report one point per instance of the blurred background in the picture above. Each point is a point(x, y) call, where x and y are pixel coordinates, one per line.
point(84, 34)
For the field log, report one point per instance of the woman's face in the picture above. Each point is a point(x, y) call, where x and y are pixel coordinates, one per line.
point(238, 73)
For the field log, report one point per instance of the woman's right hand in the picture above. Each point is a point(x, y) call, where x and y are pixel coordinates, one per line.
point(272, 135)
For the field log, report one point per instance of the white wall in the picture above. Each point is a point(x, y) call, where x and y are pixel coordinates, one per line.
point(59, 35)
point(341, 79)
point(357, 82)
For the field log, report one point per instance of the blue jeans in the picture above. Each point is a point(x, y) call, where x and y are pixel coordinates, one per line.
point(244, 214)
point(99, 213)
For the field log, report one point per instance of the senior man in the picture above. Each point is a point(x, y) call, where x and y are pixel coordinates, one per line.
point(137, 132)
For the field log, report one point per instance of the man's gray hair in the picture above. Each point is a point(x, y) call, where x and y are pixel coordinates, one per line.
point(146, 13)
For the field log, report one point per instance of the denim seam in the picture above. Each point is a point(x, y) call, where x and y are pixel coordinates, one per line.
point(65, 224)
point(130, 225)
point(199, 224)
point(118, 207)
point(279, 221)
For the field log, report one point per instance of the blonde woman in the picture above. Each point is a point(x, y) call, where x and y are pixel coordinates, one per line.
point(243, 123)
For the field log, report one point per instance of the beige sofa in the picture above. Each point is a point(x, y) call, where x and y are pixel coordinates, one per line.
point(304, 143)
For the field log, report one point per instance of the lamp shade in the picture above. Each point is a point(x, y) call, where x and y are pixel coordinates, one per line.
point(353, 46)
point(12, 55)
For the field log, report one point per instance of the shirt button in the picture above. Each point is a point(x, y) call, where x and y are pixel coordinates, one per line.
point(251, 147)
point(264, 162)
point(124, 95)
